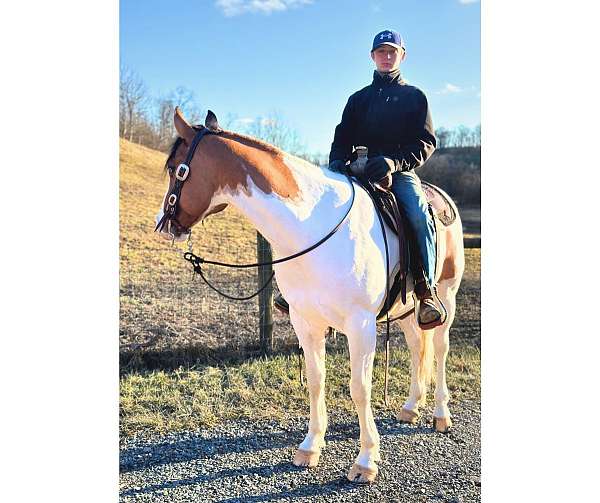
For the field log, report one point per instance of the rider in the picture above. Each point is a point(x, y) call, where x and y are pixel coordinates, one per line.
point(392, 119)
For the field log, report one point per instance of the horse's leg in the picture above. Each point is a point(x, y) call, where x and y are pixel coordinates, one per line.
point(441, 344)
point(421, 362)
point(312, 341)
point(362, 338)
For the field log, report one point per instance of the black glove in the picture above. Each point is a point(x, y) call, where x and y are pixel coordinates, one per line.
point(338, 166)
point(377, 168)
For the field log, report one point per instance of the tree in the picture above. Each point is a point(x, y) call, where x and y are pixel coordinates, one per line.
point(462, 136)
point(165, 107)
point(132, 101)
point(476, 134)
point(273, 129)
point(443, 137)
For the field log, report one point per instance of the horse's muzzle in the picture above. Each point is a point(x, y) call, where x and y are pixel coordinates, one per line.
point(172, 230)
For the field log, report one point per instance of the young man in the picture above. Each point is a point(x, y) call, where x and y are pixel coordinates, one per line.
point(392, 119)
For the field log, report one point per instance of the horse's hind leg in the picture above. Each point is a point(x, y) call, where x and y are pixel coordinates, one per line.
point(362, 338)
point(441, 344)
point(421, 361)
point(312, 341)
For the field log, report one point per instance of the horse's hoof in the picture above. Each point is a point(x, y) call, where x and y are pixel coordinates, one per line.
point(442, 424)
point(361, 475)
point(306, 458)
point(408, 416)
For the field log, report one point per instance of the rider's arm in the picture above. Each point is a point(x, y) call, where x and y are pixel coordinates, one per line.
point(414, 154)
point(343, 139)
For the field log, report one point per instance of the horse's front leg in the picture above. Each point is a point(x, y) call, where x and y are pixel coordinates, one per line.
point(312, 340)
point(362, 339)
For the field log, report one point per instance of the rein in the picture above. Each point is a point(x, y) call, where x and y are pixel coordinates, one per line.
point(181, 174)
point(196, 261)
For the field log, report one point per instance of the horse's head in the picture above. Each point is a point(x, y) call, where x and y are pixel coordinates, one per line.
point(191, 186)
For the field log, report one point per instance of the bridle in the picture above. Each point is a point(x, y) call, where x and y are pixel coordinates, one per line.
point(181, 174)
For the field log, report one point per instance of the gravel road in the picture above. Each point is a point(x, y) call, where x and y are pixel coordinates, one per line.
point(245, 461)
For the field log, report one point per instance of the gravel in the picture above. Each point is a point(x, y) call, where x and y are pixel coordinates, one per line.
point(251, 461)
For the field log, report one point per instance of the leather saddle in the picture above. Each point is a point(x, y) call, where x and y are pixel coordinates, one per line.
point(443, 213)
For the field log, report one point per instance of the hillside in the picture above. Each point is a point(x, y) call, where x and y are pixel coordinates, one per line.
point(161, 309)
point(458, 171)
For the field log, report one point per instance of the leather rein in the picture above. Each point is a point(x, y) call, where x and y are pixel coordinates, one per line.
point(181, 174)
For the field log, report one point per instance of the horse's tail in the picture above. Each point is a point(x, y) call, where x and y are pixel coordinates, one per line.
point(426, 360)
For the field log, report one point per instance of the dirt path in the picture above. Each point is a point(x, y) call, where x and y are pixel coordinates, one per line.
point(244, 461)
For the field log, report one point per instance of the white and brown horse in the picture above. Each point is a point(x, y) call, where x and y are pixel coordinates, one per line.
point(340, 284)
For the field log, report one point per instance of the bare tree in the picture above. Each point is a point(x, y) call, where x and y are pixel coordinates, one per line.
point(443, 137)
point(477, 135)
point(185, 99)
point(273, 129)
point(132, 101)
point(462, 136)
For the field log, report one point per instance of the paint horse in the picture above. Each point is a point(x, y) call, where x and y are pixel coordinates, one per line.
point(340, 284)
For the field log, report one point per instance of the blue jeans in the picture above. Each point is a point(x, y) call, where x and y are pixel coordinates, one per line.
point(406, 186)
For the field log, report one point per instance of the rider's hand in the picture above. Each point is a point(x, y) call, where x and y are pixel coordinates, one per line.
point(378, 168)
point(338, 166)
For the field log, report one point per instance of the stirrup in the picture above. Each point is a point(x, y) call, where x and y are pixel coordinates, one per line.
point(443, 312)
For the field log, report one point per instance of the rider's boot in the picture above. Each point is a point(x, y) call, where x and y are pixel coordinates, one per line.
point(281, 304)
point(429, 314)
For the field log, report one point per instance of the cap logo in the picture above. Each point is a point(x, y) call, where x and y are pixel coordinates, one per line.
point(385, 35)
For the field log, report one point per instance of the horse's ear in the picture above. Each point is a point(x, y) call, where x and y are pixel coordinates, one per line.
point(183, 128)
point(211, 121)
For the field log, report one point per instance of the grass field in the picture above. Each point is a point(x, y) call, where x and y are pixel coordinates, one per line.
point(188, 355)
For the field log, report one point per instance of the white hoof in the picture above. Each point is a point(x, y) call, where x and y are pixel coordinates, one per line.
point(306, 458)
point(362, 475)
point(442, 424)
point(408, 416)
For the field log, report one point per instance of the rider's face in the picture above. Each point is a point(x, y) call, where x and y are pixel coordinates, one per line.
point(387, 58)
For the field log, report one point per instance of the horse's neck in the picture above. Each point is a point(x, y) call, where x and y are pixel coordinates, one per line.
point(293, 223)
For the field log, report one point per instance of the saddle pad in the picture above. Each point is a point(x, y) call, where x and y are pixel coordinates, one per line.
point(399, 311)
point(439, 203)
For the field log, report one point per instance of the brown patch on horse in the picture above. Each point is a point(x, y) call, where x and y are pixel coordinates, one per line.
point(262, 162)
point(225, 162)
point(449, 266)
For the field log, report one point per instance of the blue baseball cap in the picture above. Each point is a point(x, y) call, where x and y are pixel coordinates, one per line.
point(388, 37)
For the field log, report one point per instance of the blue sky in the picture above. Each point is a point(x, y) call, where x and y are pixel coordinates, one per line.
point(302, 58)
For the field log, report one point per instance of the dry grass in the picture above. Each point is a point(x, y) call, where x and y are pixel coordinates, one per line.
point(166, 319)
point(266, 388)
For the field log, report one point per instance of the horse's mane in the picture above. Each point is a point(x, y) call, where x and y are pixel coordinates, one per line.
point(252, 142)
point(242, 138)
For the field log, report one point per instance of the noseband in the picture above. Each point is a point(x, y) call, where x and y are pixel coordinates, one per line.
point(181, 174)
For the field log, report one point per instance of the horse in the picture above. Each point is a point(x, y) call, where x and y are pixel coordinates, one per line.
point(340, 284)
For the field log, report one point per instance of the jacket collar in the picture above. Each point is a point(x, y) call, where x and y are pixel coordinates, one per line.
point(387, 78)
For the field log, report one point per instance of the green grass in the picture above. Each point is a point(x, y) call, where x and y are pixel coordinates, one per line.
point(266, 388)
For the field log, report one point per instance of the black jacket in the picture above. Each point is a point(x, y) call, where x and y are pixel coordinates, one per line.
point(389, 117)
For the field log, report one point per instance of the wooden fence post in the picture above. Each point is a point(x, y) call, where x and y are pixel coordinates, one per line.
point(265, 298)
